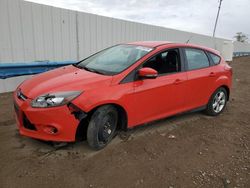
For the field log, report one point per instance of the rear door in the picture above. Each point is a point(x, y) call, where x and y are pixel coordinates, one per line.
point(200, 77)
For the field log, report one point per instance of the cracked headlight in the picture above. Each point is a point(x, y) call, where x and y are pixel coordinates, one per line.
point(54, 99)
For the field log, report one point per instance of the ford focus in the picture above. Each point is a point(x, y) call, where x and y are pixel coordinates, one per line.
point(119, 88)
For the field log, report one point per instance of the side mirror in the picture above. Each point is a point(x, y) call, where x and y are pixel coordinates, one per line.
point(147, 72)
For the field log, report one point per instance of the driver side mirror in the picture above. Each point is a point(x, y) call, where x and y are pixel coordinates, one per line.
point(148, 73)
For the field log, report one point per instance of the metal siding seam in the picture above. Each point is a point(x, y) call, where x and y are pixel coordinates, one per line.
point(11, 45)
point(20, 16)
point(77, 38)
point(60, 10)
point(53, 39)
point(33, 32)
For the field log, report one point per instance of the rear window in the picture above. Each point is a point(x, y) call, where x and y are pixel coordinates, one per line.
point(196, 59)
point(215, 58)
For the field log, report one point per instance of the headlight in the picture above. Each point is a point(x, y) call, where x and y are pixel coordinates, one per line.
point(54, 99)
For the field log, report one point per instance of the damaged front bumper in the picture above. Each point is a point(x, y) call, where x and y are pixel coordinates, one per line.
point(50, 124)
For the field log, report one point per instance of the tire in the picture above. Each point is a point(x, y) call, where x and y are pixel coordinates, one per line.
point(102, 127)
point(217, 102)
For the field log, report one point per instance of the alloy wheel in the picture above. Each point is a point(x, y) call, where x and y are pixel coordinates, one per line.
point(219, 101)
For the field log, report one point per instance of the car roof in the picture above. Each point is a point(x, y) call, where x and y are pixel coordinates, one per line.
point(152, 44)
point(155, 44)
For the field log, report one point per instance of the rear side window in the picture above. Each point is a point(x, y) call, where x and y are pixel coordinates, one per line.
point(196, 59)
point(215, 58)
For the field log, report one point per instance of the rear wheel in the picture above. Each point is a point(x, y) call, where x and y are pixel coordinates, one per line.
point(102, 127)
point(217, 102)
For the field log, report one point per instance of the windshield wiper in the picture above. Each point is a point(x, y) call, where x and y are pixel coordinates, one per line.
point(76, 65)
point(90, 69)
point(94, 70)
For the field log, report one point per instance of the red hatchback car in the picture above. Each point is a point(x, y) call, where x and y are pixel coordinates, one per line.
point(121, 87)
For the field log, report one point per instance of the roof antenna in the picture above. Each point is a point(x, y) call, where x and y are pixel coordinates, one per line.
point(189, 39)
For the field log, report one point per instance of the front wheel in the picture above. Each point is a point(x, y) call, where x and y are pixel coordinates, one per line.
point(102, 126)
point(217, 102)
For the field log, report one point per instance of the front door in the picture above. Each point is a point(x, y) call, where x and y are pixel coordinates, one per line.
point(164, 95)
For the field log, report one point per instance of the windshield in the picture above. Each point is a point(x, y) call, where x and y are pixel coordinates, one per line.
point(114, 60)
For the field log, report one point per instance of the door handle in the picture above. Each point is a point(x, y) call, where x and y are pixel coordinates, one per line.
point(178, 81)
point(212, 74)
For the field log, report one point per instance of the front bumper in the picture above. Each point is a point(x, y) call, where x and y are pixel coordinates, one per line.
point(38, 122)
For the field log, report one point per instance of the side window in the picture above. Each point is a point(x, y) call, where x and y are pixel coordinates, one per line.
point(165, 62)
point(215, 58)
point(196, 59)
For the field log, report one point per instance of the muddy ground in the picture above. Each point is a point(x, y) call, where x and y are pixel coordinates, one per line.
point(190, 150)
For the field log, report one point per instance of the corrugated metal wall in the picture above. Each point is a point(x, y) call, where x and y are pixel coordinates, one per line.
point(32, 32)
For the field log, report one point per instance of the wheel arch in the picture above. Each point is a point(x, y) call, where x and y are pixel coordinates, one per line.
point(223, 82)
point(81, 131)
point(122, 113)
point(227, 89)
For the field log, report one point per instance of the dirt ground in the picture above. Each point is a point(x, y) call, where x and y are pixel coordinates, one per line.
point(190, 150)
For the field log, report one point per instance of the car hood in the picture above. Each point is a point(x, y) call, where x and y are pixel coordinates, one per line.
point(67, 78)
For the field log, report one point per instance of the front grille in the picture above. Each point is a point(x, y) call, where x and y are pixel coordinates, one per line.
point(27, 124)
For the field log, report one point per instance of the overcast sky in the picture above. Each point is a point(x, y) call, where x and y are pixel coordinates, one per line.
point(189, 15)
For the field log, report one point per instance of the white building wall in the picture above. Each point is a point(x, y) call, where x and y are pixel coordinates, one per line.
point(241, 47)
point(34, 32)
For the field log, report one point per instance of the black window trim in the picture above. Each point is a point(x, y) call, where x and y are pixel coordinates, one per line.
point(209, 58)
point(212, 61)
point(131, 76)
